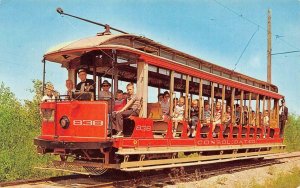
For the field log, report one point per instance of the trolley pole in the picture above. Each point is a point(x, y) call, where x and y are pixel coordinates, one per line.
point(269, 51)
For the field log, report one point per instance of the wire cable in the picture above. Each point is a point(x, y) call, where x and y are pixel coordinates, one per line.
point(254, 23)
point(237, 62)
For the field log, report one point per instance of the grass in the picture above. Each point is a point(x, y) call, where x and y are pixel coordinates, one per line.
point(283, 180)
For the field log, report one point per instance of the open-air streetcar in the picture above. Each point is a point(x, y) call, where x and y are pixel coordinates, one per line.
point(77, 129)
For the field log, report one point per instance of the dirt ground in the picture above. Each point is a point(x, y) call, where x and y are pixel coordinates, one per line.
point(245, 178)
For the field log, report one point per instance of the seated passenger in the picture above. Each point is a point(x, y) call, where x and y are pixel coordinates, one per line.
point(206, 113)
point(217, 115)
point(227, 117)
point(70, 88)
point(50, 94)
point(266, 121)
point(125, 95)
point(253, 120)
point(245, 114)
point(85, 85)
point(194, 112)
point(105, 94)
point(120, 102)
point(178, 114)
point(237, 114)
point(132, 108)
point(165, 105)
point(160, 97)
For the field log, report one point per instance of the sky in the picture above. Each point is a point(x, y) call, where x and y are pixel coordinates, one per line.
point(213, 30)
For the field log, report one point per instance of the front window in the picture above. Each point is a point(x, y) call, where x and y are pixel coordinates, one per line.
point(48, 115)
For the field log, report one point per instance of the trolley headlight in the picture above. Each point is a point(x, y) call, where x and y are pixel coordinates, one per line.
point(64, 122)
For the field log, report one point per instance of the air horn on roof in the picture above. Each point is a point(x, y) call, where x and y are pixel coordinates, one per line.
point(106, 26)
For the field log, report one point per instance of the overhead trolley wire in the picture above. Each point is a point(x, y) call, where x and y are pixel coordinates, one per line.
point(237, 62)
point(254, 23)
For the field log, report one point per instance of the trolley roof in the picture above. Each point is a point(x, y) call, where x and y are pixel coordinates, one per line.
point(65, 53)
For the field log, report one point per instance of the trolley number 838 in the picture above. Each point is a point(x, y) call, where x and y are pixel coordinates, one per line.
point(88, 122)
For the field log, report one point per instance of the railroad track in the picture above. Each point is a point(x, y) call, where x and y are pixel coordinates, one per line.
point(153, 178)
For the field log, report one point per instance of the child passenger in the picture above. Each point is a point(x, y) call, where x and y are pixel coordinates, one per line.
point(194, 112)
point(120, 102)
point(206, 113)
point(178, 114)
point(266, 121)
point(217, 115)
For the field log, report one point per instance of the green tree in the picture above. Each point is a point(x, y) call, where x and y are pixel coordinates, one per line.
point(19, 125)
point(292, 133)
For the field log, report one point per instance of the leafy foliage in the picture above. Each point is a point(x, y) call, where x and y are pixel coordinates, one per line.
point(19, 124)
point(292, 133)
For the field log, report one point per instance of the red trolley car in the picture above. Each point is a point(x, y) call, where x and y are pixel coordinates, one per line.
point(76, 129)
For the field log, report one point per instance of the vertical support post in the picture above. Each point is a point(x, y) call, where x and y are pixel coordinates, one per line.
point(232, 105)
point(269, 110)
point(264, 105)
point(187, 86)
point(200, 98)
point(171, 91)
point(257, 111)
point(44, 75)
point(142, 85)
point(242, 107)
point(212, 98)
point(223, 105)
point(116, 78)
point(99, 84)
point(250, 109)
point(94, 77)
point(72, 75)
point(277, 113)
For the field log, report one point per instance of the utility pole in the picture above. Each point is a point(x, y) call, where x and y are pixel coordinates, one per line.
point(269, 51)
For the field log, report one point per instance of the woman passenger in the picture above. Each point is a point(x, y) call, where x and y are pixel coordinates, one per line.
point(165, 105)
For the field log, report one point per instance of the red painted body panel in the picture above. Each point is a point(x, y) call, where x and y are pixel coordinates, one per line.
point(82, 128)
point(88, 121)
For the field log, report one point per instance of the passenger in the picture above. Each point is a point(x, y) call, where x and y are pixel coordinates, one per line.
point(266, 121)
point(246, 116)
point(120, 102)
point(227, 117)
point(165, 105)
point(132, 108)
point(194, 113)
point(105, 94)
point(253, 120)
point(175, 102)
point(283, 117)
point(125, 95)
point(50, 94)
point(70, 88)
point(206, 113)
point(86, 85)
point(160, 97)
point(178, 114)
point(217, 115)
point(237, 114)
point(260, 119)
